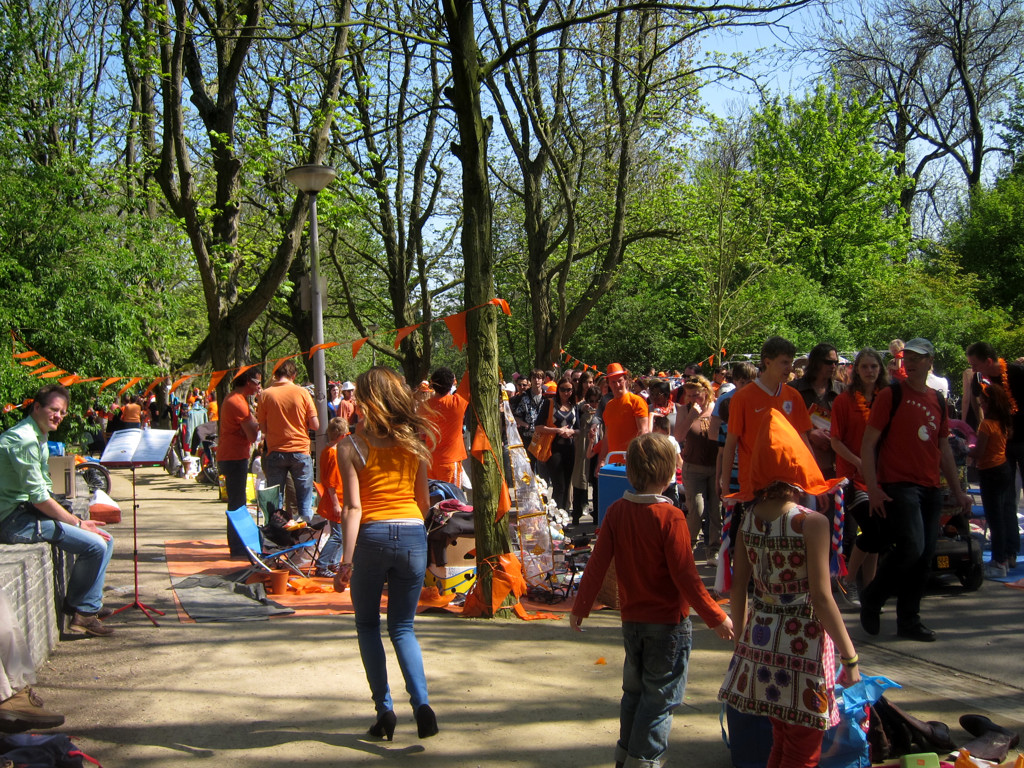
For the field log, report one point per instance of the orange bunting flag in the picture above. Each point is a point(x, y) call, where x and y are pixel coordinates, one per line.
point(481, 444)
point(152, 385)
point(357, 345)
point(110, 381)
point(91, 378)
point(33, 363)
point(243, 369)
point(723, 352)
point(403, 332)
point(179, 381)
point(42, 368)
point(67, 381)
point(23, 355)
point(276, 365)
point(601, 661)
point(504, 500)
point(131, 383)
point(315, 349)
point(711, 359)
point(457, 328)
point(216, 378)
point(53, 374)
point(503, 305)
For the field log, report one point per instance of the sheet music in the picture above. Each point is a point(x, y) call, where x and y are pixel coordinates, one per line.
point(138, 446)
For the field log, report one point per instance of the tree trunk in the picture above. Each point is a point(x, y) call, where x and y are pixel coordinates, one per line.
point(491, 536)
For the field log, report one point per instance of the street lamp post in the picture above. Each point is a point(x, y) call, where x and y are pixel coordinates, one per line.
point(311, 179)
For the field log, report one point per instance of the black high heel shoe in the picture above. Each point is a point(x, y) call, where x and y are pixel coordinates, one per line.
point(426, 722)
point(384, 728)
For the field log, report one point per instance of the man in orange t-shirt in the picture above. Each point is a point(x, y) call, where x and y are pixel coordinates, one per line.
point(238, 430)
point(625, 416)
point(751, 405)
point(287, 415)
point(446, 410)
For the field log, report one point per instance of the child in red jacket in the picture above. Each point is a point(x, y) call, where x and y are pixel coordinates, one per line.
point(658, 582)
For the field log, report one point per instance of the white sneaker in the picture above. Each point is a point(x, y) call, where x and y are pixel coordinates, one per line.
point(995, 571)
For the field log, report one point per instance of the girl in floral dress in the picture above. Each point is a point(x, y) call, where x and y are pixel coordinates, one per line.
point(784, 664)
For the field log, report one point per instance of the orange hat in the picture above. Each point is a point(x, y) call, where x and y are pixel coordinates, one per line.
point(551, 387)
point(615, 370)
point(780, 455)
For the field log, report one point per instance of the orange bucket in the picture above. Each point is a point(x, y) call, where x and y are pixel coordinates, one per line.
point(278, 582)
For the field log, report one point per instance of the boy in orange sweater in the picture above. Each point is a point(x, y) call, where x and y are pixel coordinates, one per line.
point(658, 580)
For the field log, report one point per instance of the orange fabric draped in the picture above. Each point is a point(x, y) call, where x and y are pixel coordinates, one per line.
point(403, 332)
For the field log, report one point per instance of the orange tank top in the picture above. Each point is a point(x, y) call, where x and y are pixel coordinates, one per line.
point(387, 484)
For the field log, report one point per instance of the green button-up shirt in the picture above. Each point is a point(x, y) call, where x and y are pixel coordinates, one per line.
point(24, 466)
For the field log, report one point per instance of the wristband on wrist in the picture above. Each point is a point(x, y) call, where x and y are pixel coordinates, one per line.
point(850, 662)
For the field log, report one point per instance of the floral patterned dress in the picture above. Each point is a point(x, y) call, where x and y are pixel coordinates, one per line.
point(784, 666)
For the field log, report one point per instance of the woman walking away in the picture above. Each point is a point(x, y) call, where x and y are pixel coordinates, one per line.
point(384, 475)
point(995, 478)
point(784, 666)
point(850, 412)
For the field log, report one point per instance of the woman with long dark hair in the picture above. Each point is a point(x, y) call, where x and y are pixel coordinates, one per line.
point(850, 411)
point(558, 416)
point(384, 472)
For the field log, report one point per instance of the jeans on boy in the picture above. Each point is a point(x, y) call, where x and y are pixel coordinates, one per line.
point(653, 683)
point(92, 553)
point(395, 553)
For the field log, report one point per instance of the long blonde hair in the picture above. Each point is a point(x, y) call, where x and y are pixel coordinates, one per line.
point(388, 411)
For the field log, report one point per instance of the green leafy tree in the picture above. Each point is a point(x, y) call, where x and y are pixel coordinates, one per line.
point(834, 195)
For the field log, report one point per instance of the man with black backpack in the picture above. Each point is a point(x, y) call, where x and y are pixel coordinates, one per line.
point(905, 450)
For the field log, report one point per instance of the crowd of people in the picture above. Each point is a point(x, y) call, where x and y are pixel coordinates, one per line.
point(763, 438)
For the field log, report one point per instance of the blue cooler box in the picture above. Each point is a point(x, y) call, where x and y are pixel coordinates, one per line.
point(611, 483)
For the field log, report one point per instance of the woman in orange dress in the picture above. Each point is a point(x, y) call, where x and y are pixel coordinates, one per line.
point(384, 475)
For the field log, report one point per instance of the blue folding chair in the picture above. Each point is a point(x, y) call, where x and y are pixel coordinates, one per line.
point(260, 561)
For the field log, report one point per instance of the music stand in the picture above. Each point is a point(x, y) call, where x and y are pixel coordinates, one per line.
point(131, 449)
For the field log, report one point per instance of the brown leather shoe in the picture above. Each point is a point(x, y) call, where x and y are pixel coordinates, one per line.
point(24, 711)
point(89, 624)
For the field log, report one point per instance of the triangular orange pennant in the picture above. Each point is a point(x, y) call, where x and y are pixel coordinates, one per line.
point(67, 381)
point(403, 332)
point(32, 363)
point(53, 374)
point(134, 380)
point(46, 367)
point(152, 385)
point(23, 355)
point(503, 304)
point(457, 328)
point(108, 382)
point(216, 377)
point(723, 352)
point(357, 345)
point(504, 500)
point(481, 444)
point(179, 381)
point(317, 348)
point(277, 364)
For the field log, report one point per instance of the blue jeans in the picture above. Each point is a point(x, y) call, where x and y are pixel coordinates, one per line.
point(653, 683)
point(396, 554)
point(92, 553)
point(331, 552)
point(279, 465)
point(910, 529)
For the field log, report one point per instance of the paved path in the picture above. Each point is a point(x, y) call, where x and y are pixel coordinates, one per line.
point(291, 692)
